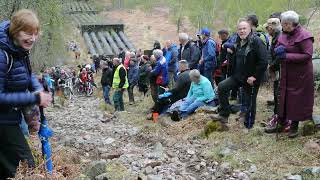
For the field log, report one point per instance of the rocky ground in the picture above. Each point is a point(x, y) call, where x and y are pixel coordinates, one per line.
point(111, 144)
point(126, 146)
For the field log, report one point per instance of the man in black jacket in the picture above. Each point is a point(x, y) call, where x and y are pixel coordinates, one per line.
point(189, 51)
point(179, 91)
point(249, 64)
point(106, 80)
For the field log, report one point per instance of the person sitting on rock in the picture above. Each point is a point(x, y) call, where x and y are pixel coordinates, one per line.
point(200, 94)
point(179, 91)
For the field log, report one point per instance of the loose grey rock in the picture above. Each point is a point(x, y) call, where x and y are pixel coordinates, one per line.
point(295, 177)
point(253, 168)
point(312, 170)
point(191, 152)
point(103, 176)
point(149, 170)
point(96, 168)
point(225, 168)
point(154, 177)
point(158, 150)
point(109, 141)
point(225, 152)
point(243, 176)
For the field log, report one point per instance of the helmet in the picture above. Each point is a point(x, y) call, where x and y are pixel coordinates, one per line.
point(88, 66)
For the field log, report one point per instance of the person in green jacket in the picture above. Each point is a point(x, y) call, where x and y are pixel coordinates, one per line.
point(119, 84)
point(200, 94)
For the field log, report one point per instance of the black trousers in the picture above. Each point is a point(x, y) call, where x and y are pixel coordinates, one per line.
point(161, 104)
point(130, 92)
point(276, 94)
point(224, 89)
point(13, 148)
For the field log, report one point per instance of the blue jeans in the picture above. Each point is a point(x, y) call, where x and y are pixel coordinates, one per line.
point(106, 92)
point(190, 105)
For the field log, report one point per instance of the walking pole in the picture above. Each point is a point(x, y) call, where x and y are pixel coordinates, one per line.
point(250, 113)
point(44, 134)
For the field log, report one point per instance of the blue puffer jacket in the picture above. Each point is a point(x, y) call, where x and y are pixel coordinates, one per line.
point(171, 56)
point(209, 54)
point(17, 87)
point(161, 71)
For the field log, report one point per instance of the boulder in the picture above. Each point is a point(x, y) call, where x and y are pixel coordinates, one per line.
point(96, 168)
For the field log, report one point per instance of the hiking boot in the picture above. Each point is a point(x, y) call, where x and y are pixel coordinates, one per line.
point(175, 116)
point(217, 117)
point(293, 132)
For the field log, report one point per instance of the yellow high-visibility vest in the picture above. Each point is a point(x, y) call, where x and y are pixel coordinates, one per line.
point(116, 78)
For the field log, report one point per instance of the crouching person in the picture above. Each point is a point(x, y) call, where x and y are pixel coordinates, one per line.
point(200, 93)
point(179, 91)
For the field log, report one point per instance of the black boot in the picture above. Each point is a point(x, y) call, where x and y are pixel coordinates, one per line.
point(293, 132)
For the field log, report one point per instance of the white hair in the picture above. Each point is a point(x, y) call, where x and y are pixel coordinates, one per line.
point(184, 63)
point(157, 53)
point(290, 16)
point(194, 74)
point(183, 36)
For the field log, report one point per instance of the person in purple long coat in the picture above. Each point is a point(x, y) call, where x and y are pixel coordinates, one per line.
point(295, 49)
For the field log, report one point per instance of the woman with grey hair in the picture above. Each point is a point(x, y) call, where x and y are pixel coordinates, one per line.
point(273, 26)
point(200, 93)
point(294, 50)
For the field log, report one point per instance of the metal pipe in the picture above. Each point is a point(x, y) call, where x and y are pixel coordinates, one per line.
point(118, 40)
point(106, 46)
point(112, 43)
point(96, 43)
point(89, 44)
point(126, 41)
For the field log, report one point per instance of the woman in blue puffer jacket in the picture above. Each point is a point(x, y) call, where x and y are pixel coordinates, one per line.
point(19, 88)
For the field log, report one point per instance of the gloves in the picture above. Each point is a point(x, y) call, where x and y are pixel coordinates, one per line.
point(165, 95)
point(280, 52)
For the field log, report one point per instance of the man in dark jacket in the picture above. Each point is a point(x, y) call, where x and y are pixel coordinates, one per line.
point(133, 78)
point(179, 91)
point(188, 51)
point(222, 65)
point(144, 72)
point(119, 84)
point(122, 54)
point(106, 81)
point(249, 64)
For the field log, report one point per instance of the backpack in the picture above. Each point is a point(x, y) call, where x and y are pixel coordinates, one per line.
point(265, 39)
point(196, 51)
point(9, 60)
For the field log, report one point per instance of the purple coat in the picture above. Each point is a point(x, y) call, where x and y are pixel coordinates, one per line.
point(297, 78)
